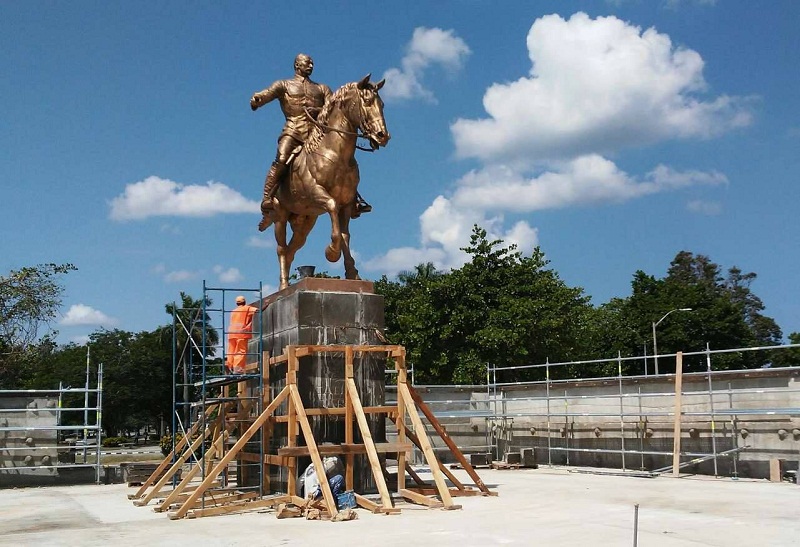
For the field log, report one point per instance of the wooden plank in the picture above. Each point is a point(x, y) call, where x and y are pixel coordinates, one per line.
point(291, 435)
point(417, 479)
point(181, 498)
point(455, 492)
point(243, 439)
point(178, 464)
point(266, 430)
point(183, 486)
point(271, 459)
point(367, 504)
point(437, 426)
point(346, 449)
point(166, 461)
point(305, 350)
point(348, 420)
point(400, 422)
point(213, 499)
point(234, 507)
point(322, 477)
point(427, 449)
point(419, 499)
point(676, 432)
point(413, 438)
point(366, 435)
point(341, 411)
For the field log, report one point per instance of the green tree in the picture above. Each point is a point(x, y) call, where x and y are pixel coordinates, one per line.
point(137, 378)
point(500, 308)
point(29, 299)
point(194, 334)
point(725, 314)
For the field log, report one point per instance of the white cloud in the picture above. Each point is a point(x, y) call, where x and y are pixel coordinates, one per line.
point(81, 314)
point(155, 196)
point(261, 242)
point(445, 229)
point(710, 208)
point(587, 180)
point(81, 340)
point(178, 276)
point(428, 46)
point(595, 86)
point(228, 275)
point(482, 196)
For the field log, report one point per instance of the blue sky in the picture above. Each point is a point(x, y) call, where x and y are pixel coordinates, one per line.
point(611, 133)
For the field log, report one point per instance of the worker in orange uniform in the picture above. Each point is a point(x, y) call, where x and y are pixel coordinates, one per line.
point(239, 333)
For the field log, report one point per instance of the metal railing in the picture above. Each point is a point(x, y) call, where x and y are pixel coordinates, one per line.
point(711, 401)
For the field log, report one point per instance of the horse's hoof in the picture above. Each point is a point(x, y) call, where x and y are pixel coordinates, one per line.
point(331, 254)
point(265, 223)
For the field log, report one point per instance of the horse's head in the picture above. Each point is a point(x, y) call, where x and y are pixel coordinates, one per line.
point(372, 122)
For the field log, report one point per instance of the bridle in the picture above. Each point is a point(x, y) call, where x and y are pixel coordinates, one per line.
point(359, 134)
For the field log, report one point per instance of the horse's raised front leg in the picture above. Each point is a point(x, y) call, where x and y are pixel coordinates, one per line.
point(350, 271)
point(283, 263)
point(333, 251)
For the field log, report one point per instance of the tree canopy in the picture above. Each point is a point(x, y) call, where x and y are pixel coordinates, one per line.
point(501, 308)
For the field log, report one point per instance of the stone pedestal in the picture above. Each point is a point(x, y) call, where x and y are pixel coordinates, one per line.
point(327, 312)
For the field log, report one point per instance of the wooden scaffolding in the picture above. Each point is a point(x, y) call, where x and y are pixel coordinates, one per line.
point(205, 491)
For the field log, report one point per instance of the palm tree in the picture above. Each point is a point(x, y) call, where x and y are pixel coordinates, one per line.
point(194, 338)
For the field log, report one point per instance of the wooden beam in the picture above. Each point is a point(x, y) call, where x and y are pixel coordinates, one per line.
point(183, 486)
point(308, 433)
point(167, 460)
point(178, 464)
point(237, 506)
point(413, 438)
point(305, 350)
point(348, 420)
point(400, 422)
point(437, 426)
point(417, 479)
point(291, 429)
point(367, 504)
point(419, 499)
point(212, 499)
point(427, 449)
point(341, 411)
point(243, 439)
point(676, 433)
point(346, 449)
point(366, 435)
point(266, 430)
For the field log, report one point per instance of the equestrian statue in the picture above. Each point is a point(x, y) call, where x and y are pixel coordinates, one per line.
point(315, 170)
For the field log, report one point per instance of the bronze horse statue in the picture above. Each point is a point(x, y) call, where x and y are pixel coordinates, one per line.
point(323, 177)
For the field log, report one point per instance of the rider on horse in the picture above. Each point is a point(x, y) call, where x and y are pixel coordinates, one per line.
point(299, 97)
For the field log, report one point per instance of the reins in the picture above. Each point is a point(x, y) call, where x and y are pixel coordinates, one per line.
point(324, 128)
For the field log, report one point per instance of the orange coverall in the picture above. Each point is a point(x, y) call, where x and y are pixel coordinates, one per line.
point(239, 333)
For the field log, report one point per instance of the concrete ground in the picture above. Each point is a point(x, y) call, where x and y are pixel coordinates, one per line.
point(534, 507)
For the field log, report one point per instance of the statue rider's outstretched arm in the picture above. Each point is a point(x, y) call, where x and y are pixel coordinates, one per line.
point(275, 91)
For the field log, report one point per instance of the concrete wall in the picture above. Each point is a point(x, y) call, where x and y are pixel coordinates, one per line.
point(21, 449)
point(586, 415)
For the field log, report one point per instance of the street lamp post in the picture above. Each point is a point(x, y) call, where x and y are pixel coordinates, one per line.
point(655, 344)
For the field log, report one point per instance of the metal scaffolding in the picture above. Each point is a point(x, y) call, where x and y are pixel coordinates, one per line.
point(206, 395)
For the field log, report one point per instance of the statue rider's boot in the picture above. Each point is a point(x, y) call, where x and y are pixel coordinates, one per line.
point(361, 207)
point(274, 175)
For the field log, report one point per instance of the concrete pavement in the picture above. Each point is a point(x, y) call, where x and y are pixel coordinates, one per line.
point(534, 507)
